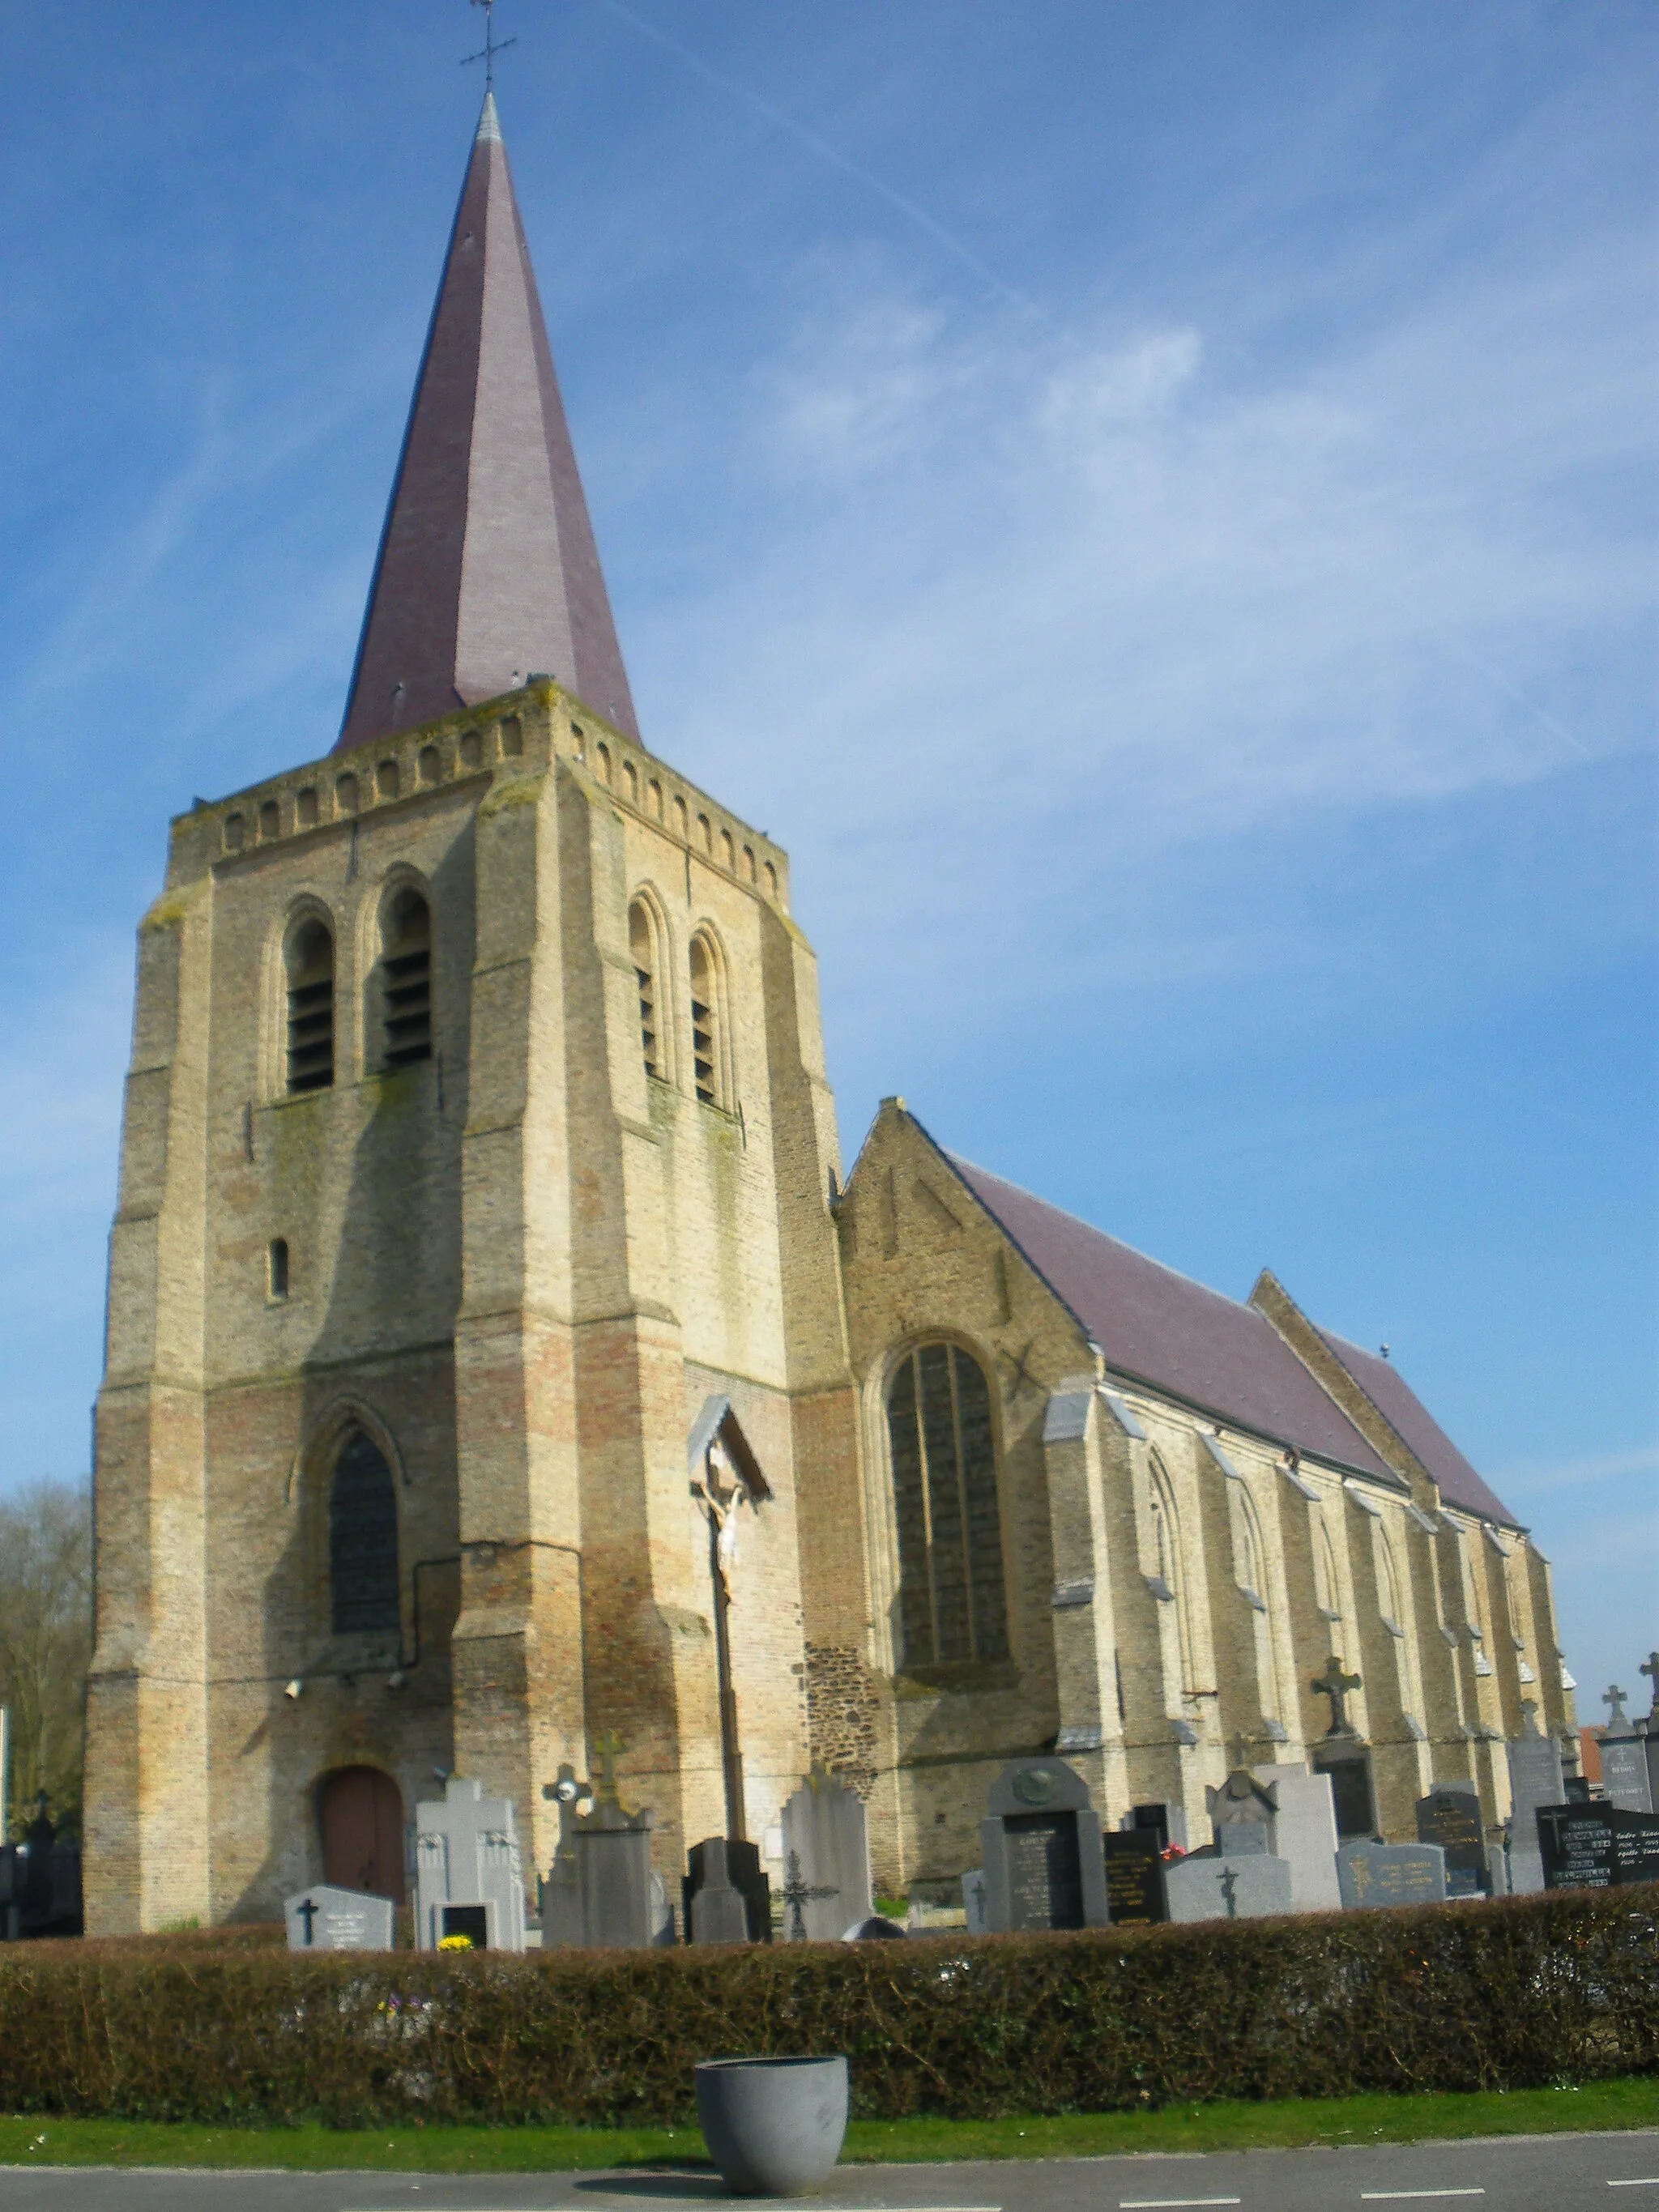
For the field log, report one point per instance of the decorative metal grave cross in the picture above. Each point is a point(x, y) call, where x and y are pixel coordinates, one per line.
point(1335, 1685)
point(796, 1894)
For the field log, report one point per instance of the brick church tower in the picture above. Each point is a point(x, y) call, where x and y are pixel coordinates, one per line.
point(474, 1253)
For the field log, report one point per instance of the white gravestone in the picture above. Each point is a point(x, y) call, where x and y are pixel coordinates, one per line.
point(826, 1857)
point(1199, 1887)
point(1535, 1780)
point(329, 1919)
point(1303, 1831)
point(467, 1854)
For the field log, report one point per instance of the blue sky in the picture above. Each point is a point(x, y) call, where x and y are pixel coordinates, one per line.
point(1154, 505)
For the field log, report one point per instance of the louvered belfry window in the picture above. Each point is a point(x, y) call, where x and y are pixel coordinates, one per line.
point(706, 1040)
point(643, 950)
point(406, 980)
point(310, 1007)
point(952, 1601)
point(362, 1539)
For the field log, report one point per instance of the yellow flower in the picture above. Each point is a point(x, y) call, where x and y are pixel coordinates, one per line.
point(454, 1942)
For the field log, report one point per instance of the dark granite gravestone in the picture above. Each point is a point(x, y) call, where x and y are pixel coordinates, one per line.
point(1597, 1846)
point(1450, 1816)
point(40, 1881)
point(728, 1898)
point(1169, 1821)
point(471, 1921)
point(1135, 1879)
point(1044, 1864)
point(1348, 1769)
point(1391, 1873)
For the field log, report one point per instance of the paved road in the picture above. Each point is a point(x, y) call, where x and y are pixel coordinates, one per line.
point(1513, 2173)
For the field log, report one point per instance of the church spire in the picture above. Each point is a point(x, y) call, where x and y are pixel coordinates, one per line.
point(488, 573)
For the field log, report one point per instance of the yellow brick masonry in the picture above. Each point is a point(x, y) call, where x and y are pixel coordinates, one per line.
point(522, 1266)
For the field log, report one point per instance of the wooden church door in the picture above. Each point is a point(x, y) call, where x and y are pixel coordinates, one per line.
point(360, 1812)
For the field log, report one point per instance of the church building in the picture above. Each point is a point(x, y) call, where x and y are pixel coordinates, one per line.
point(503, 1374)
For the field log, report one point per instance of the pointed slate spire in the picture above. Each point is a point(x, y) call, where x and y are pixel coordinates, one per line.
point(488, 573)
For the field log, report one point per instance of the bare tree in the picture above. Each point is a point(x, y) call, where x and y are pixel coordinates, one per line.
point(46, 1642)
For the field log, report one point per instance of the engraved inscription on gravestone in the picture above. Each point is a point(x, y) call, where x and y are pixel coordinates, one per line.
point(1391, 1873)
point(1597, 1846)
point(1450, 1816)
point(1624, 1752)
point(1044, 1865)
point(1135, 1879)
point(327, 1919)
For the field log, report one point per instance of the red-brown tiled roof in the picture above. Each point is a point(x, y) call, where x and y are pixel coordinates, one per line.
point(1162, 1328)
point(488, 573)
point(1411, 1421)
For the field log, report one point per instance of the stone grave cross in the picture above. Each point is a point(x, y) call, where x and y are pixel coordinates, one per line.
point(1613, 1698)
point(1239, 1750)
point(796, 1894)
point(1335, 1685)
point(605, 1789)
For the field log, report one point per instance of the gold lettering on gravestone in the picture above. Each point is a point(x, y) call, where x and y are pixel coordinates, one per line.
point(1045, 1880)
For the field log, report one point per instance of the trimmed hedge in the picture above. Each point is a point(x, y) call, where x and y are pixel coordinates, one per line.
point(1507, 1995)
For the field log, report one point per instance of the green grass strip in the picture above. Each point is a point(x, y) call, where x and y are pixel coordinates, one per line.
point(1289, 2125)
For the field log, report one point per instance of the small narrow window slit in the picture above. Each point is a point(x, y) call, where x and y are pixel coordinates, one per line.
point(276, 1270)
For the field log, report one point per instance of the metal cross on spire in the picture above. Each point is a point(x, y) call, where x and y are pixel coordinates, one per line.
point(488, 51)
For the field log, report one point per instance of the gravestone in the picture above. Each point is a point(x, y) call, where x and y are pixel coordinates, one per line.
point(40, 1881)
point(1135, 1879)
point(330, 1919)
point(1205, 1887)
point(1240, 1813)
point(826, 1859)
point(1169, 1820)
point(973, 1902)
point(728, 1898)
point(878, 1929)
point(1391, 1873)
point(1044, 1864)
point(1534, 1781)
point(466, 1853)
point(1450, 1816)
point(1304, 1834)
point(1597, 1846)
point(1352, 1799)
point(1624, 1754)
point(602, 1893)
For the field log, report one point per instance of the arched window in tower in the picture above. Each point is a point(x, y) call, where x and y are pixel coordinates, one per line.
point(709, 1072)
point(362, 1539)
point(643, 950)
point(952, 1599)
point(406, 979)
point(310, 962)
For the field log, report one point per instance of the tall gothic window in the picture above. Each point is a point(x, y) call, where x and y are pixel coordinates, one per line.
point(952, 1603)
point(406, 980)
point(709, 1041)
point(643, 950)
point(362, 1539)
point(310, 962)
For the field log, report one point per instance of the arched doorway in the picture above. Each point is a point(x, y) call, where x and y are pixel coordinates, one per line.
point(361, 1814)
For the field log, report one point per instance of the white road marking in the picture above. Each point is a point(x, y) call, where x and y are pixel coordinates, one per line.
point(1398, 2195)
point(1168, 2203)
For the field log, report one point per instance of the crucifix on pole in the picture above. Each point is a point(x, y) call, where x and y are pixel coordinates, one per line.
point(491, 47)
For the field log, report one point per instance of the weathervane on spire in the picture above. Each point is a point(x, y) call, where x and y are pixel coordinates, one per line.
point(488, 51)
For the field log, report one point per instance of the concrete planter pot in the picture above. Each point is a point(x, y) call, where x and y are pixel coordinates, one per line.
point(773, 2126)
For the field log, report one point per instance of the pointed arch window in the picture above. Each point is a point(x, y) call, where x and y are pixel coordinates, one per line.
point(710, 1046)
point(952, 1596)
point(362, 1540)
point(648, 968)
point(310, 962)
point(1167, 1581)
point(406, 980)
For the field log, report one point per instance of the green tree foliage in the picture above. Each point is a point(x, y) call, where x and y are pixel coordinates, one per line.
point(45, 1643)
